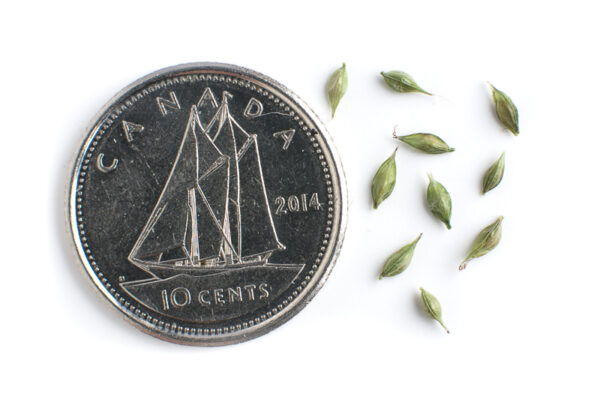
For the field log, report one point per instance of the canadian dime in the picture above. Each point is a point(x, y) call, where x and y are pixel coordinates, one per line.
point(207, 203)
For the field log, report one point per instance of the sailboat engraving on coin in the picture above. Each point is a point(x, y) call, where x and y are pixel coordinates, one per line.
point(197, 227)
point(207, 204)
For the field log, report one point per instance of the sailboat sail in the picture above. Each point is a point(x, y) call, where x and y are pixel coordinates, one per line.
point(257, 238)
point(202, 216)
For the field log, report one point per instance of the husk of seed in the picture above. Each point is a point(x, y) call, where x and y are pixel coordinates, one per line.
point(384, 180)
point(400, 260)
point(506, 110)
point(402, 82)
point(439, 201)
point(426, 142)
point(485, 242)
point(432, 306)
point(493, 175)
point(336, 87)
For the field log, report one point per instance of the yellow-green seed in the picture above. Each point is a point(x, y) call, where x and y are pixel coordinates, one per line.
point(486, 241)
point(336, 87)
point(384, 180)
point(402, 82)
point(400, 260)
point(493, 175)
point(439, 201)
point(432, 306)
point(426, 142)
point(506, 110)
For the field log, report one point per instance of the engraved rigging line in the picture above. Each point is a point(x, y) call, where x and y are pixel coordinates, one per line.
point(215, 220)
point(218, 162)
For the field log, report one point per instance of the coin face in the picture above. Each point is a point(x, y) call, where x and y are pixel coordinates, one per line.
point(207, 204)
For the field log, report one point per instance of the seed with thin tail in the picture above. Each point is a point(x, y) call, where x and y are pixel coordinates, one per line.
point(384, 180)
point(439, 201)
point(486, 241)
point(506, 110)
point(432, 306)
point(426, 142)
point(336, 87)
point(493, 175)
point(402, 82)
point(400, 260)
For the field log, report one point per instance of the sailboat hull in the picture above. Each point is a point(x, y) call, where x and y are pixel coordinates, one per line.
point(217, 295)
point(168, 271)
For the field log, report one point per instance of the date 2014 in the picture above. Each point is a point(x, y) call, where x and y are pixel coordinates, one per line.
point(295, 204)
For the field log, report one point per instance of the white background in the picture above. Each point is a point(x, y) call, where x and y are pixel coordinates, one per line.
point(523, 319)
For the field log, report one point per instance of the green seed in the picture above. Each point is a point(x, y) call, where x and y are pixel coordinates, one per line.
point(506, 110)
point(402, 82)
point(384, 180)
point(439, 201)
point(336, 87)
point(485, 242)
point(432, 306)
point(400, 260)
point(426, 142)
point(493, 176)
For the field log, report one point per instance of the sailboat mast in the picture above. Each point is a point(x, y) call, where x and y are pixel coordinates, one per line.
point(233, 185)
point(226, 246)
point(194, 247)
point(238, 210)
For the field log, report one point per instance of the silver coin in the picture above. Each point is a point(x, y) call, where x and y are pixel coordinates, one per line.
point(207, 203)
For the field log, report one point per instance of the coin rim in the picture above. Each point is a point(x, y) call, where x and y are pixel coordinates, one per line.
point(299, 301)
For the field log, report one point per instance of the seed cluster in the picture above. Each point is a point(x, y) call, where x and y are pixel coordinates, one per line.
point(438, 199)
